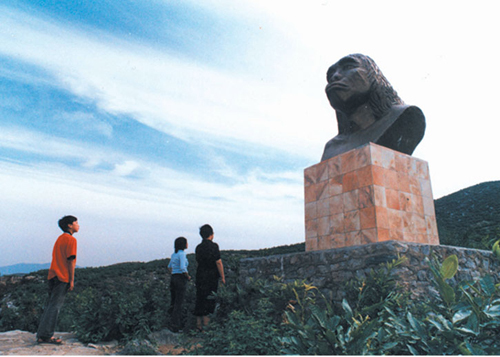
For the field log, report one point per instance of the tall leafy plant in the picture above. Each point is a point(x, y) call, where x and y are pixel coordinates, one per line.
point(465, 320)
point(442, 273)
point(318, 329)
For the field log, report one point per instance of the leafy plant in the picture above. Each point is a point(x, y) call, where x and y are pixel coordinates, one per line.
point(240, 334)
point(369, 295)
point(319, 330)
point(496, 249)
point(466, 322)
point(115, 315)
point(446, 271)
point(248, 321)
point(22, 308)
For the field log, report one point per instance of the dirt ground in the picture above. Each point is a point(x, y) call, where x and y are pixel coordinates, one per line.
point(24, 343)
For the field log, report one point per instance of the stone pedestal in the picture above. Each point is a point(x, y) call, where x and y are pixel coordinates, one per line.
point(367, 195)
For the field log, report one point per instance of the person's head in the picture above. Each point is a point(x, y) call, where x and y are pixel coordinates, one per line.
point(69, 224)
point(206, 231)
point(356, 80)
point(180, 243)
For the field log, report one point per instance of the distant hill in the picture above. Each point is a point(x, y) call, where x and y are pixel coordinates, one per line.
point(470, 217)
point(22, 268)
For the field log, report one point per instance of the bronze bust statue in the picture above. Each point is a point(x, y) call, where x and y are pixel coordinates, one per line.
point(369, 109)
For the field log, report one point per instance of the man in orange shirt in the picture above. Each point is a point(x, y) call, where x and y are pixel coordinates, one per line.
point(61, 278)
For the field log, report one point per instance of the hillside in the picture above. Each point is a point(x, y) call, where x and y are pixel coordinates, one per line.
point(136, 285)
point(470, 217)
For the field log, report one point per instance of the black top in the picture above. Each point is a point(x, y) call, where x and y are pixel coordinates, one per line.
point(207, 253)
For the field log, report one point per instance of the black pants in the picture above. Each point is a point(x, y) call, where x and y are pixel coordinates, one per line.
point(178, 284)
point(57, 293)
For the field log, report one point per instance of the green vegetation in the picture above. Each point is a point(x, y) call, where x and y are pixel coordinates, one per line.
point(127, 301)
point(248, 321)
point(465, 319)
point(121, 301)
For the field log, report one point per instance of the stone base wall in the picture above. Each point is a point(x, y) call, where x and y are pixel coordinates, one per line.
point(367, 195)
point(329, 270)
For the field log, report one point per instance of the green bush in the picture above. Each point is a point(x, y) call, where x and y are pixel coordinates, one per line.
point(377, 291)
point(248, 321)
point(241, 334)
point(127, 301)
point(21, 310)
point(466, 320)
point(318, 329)
point(116, 315)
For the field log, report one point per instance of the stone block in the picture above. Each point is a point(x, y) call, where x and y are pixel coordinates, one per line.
point(367, 195)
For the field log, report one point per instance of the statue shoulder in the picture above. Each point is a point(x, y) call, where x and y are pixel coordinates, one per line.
point(405, 128)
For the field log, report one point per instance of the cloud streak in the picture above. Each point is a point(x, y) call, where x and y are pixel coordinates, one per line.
point(185, 99)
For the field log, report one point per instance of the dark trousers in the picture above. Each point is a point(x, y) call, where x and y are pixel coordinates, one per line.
point(178, 283)
point(57, 292)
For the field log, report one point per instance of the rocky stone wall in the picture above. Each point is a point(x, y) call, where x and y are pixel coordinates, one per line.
point(329, 270)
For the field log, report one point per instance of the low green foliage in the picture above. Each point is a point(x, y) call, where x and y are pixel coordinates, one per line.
point(379, 289)
point(127, 301)
point(21, 309)
point(496, 249)
point(320, 329)
point(115, 315)
point(465, 320)
point(241, 334)
point(446, 271)
point(249, 321)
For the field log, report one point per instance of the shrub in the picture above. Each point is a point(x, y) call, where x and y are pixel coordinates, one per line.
point(466, 320)
point(358, 331)
point(22, 309)
point(116, 315)
point(241, 334)
point(248, 321)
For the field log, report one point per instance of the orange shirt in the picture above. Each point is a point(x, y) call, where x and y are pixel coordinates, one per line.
point(64, 248)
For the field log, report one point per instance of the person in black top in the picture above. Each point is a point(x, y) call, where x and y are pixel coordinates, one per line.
point(209, 270)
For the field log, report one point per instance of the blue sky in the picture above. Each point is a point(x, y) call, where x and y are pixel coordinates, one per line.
point(147, 119)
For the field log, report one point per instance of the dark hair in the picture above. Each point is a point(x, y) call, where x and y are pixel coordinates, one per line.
point(206, 231)
point(66, 221)
point(180, 244)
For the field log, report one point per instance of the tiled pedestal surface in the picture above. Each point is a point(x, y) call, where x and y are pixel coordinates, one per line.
point(367, 195)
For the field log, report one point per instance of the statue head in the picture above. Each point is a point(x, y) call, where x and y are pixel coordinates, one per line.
point(355, 81)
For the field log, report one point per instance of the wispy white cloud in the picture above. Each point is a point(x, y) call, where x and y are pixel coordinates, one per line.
point(125, 169)
point(177, 201)
point(50, 146)
point(185, 99)
point(84, 122)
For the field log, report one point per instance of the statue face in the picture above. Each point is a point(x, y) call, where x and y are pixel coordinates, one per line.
point(348, 84)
